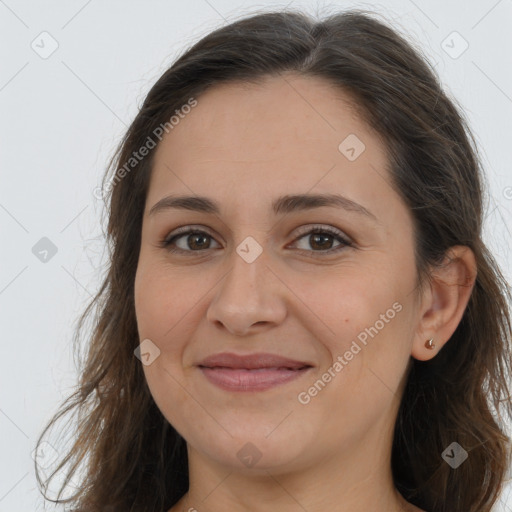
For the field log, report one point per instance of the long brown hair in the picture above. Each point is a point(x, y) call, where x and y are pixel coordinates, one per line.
point(133, 459)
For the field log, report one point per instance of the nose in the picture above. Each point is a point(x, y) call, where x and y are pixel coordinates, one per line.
point(248, 298)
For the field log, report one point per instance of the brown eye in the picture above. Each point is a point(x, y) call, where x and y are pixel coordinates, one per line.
point(320, 240)
point(198, 241)
point(188, 241)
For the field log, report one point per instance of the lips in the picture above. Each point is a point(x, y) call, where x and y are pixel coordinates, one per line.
point(251, 361)
point(253, 372)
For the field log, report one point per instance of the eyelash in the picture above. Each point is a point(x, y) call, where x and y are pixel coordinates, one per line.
point(168, 241)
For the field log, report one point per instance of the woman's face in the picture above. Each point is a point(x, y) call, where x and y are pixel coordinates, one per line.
point(338, 304)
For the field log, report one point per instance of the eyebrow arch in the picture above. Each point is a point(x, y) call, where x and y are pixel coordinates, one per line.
point(282, 205)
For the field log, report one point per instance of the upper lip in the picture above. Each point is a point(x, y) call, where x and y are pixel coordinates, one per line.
point(251, 361)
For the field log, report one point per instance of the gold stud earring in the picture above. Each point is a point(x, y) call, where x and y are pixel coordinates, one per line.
point(430, 344)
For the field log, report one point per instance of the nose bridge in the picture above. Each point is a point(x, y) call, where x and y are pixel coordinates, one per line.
point(247, 277)
point(247, 294)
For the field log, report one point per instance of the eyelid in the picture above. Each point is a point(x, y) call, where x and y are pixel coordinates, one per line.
point(309, 228)
point(186, 229)
point(302, 230)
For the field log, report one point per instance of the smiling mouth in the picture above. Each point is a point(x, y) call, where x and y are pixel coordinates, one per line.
point(261, 378)
point(254, 379)
point(256, 372)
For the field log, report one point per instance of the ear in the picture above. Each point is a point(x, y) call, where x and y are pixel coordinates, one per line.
point(444, 300)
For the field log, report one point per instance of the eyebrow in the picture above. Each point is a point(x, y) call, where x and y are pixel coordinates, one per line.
point(282, 205)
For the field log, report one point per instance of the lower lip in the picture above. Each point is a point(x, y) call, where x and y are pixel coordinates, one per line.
point(231, 379)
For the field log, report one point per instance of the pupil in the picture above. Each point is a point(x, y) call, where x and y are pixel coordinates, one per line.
point(196, 237)
point(317, 237)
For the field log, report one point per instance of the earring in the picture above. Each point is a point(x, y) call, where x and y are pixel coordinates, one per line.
point(430, 344)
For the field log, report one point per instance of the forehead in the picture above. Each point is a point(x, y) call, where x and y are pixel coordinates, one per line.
point(285, 132)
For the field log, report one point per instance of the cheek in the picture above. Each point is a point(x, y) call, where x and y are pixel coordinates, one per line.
point(369, 313)
point(357, 300)
point(161, 301)
point(160, 304)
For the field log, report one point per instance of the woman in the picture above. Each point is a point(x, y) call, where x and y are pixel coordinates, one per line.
point(295, 224)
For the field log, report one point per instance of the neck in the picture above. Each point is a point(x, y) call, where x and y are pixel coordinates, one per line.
point(357, 480)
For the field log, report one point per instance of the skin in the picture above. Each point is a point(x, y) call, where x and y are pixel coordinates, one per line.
point(244, 145)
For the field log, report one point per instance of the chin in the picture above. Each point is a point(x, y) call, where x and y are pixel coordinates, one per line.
point(254, 450)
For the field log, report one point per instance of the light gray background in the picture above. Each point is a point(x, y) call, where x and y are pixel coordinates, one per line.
point(61, 117)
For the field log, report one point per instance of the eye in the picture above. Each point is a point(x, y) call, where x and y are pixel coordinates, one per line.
point(194, 240)
point(320, 239)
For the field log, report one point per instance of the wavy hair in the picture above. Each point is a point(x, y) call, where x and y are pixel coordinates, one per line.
point(132, 458)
